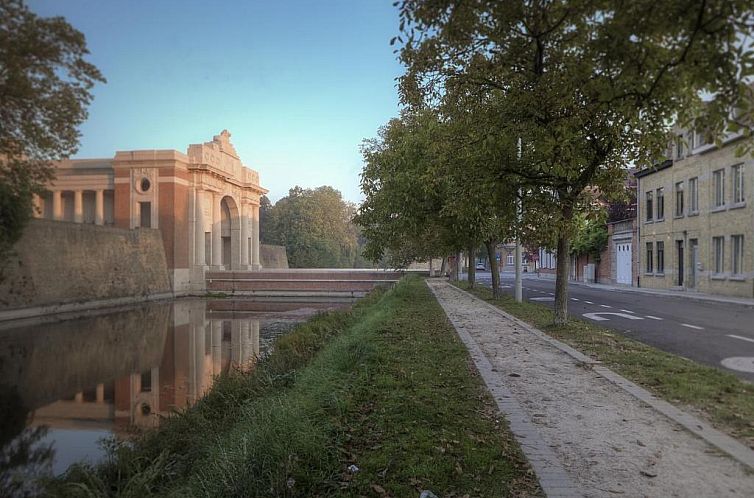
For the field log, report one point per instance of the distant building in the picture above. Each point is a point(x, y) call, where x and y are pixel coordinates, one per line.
point(621, 265)
point(696, 219)
point(205, 203)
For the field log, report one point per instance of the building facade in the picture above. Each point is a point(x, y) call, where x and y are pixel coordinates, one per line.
point(621, 262)
point(695, 219)
point(205, 203)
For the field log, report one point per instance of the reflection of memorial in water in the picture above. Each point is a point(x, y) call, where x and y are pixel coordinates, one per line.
point(196, 349)
point(71, 383)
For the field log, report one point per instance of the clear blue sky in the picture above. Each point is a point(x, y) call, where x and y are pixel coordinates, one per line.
point(299, 84)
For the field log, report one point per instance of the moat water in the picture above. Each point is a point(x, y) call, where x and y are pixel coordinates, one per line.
point(68, 386)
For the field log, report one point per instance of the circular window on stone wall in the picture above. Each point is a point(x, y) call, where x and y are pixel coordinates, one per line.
point(144, 185)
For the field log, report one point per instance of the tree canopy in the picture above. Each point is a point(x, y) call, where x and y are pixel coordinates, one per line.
point(45, 88)
point(315, 227)
point(587, 86)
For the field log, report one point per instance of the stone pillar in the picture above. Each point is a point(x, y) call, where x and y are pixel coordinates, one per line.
point(235, 343)
point(255, 238)
point(57, 205)
point(199, 229)
point(78, 206)
point(255, 337)
point(217, 343)
point(99, 207)
point(100, 393)
point(244, 212)
point(235, 242)
point(217, 241)
point(199, 357)
point(244, 353)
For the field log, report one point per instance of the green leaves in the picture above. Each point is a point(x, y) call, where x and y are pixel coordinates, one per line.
point(45, 85)
point(315, 227)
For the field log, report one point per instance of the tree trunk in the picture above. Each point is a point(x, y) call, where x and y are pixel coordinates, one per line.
point(490, 245)
point(471, 272)
point(443, 266)
point(457, 268)
point(561, 280)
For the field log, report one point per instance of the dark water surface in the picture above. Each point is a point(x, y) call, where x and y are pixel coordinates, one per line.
point(66, 385)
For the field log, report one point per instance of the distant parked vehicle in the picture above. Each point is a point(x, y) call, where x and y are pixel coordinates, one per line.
point(480, 266)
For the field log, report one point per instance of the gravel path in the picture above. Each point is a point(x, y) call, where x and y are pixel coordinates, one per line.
point(608, 442)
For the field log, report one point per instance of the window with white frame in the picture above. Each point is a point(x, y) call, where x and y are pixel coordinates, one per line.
point(650, 204)
point(718, 247)
point(738, 183)
point(650, 257)
point(679, 199)
point(694, 195)
point(718, 183)
point(737, 256)
point(660, 203)
point(702, 138)
point(509, 259)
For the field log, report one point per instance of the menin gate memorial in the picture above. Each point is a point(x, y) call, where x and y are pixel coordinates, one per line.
point(205, 203)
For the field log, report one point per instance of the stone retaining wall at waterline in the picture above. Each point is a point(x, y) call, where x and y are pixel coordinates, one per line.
point(58, 263)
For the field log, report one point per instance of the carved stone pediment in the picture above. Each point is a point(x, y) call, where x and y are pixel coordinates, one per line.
point(221, 159)
point(223, 142)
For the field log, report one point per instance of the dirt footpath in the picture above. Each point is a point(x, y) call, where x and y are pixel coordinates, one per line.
point(608, 442)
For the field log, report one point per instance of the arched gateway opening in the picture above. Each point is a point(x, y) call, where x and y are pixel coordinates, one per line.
point(230, 233)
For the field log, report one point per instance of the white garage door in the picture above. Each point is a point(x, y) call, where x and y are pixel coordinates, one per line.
point(623, 263)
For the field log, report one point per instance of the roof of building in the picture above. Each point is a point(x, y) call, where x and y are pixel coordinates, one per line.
point(653, 169)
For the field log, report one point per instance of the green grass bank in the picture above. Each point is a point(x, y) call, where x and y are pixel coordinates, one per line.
point(386, 386)
point(722, 398)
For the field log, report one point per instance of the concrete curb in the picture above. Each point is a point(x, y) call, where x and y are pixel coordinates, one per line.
point(553, 478)
point(695, 296)
point(719, 440)
point(679, 294)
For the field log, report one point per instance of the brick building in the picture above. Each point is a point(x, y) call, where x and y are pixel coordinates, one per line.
point(696, 219)
point(205, 203)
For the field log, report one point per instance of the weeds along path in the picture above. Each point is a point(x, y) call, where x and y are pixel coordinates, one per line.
point(607, 441)
point(386, 388)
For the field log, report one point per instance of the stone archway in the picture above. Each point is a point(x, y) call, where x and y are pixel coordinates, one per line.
point(230, 233)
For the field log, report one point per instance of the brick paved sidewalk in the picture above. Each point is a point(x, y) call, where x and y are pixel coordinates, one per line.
point(586, 435)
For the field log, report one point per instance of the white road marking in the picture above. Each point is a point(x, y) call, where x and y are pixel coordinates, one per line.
point(605, 306)
point(542, 299)
point(599, 318)
point(695, 327)
point(653, 317)
point(740, 363)
point(550, 293)
point(588, 302)
point(574, 299)
point(628, 311)
point(739, 337)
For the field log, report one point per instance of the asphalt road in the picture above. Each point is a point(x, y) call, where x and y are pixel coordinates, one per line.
point(717, 334)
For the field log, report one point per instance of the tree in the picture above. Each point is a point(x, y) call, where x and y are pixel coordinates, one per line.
point(401, 214)
point(591, 236)
point(587, 85)
point(315, 227)
point(265, 206)
point(45, 88)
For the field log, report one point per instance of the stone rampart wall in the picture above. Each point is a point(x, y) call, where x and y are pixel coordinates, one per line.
point(273, 257)
point(57, 263)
